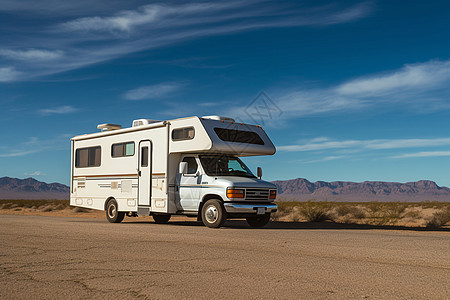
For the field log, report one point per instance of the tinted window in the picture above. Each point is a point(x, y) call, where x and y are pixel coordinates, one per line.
point(88, 157)
point(186, 133)
point(122, 149)
point(192, 164)
point(238, 136)
point(224, 165)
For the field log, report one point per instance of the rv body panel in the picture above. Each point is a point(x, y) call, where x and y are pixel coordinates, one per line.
point(118, 176)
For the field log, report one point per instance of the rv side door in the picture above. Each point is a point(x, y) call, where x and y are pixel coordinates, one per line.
point(145, 173)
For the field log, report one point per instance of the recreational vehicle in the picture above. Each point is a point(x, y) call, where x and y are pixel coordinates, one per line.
point(188, 166)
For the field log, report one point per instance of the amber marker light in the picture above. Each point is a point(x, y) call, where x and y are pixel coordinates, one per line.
point(273, 194)
point(235, 193)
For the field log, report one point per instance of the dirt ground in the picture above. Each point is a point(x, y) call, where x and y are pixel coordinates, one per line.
point(76, 256)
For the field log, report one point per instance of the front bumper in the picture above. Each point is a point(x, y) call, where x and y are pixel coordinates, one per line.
point(248, 208)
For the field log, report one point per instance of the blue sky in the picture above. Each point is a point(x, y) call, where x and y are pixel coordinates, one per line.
point(363, 87)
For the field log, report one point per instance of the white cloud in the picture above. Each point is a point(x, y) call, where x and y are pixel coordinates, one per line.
point(415, 76)
point(423, 154)
point(122, 21)
point(31, 54)
point(35, 173)
point(324, 159)
point(155, 91)
point(375, 144)
point(66, 109)
point(8, 74)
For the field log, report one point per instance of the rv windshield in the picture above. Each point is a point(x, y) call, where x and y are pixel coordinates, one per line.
point(225, 165)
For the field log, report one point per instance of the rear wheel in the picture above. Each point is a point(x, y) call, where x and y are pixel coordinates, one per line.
point(161, 219)
point(213, 214)
point(258, 221)
point(112, 212)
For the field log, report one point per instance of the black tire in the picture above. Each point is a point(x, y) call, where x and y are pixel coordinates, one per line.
point(258, 221)
point(213, 214)
point(161, 219)
point(112, 213)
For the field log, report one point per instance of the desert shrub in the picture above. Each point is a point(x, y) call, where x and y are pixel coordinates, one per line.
point(374, 213)
point(60, 207)
point(47, 208)
point(315, 212)
point(344, 210)
point(412, 213)
point(357, 213)
point(439, 219)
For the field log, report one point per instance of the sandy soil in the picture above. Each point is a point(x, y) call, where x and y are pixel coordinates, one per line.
point(45, 257)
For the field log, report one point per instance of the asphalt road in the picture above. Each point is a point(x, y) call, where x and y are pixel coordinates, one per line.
point(77, 258)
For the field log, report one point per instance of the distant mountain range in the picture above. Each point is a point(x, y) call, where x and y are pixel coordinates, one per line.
point(301, 189)
point(30, 188)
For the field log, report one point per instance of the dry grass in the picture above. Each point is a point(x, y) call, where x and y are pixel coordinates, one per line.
point(39, 205)
point(430, 214)
point(420, 214)
point(439, 219)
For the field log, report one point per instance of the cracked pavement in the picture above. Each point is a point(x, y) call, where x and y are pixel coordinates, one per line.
point(76, 258)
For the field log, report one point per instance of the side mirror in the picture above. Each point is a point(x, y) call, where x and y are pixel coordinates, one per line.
point(259, 172)
point(183, 168)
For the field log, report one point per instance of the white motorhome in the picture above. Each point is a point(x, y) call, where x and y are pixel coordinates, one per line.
point(187, 166)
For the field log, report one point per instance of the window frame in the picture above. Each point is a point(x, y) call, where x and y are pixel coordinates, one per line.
point(124, 149)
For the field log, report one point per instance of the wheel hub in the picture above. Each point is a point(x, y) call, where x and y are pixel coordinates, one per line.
point(112, 211)
point(212, 214)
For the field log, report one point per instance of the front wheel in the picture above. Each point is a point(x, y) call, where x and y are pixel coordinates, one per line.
point(258, 221)
point(213, 214)
point(112, 212)
point(161, 219)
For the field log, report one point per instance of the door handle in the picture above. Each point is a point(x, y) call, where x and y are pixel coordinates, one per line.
point(139, 173)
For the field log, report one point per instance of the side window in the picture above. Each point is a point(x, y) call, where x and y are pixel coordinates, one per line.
point(192, 164)
point(122, 149)
point(88, 157)
point(144, 157)
point(180, 134)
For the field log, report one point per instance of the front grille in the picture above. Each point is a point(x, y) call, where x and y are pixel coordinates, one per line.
point(257, 194)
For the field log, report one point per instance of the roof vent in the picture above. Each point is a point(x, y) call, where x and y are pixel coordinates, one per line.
point(108, 127)
point(141, 122)
point(218, 118)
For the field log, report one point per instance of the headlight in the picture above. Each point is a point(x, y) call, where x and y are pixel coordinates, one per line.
point(273, 194)
point(235, 193)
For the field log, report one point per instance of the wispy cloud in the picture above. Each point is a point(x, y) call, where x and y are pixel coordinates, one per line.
point(324, 159)
point(375, 144)
point(66, 109)
point(423, 154)
point(119, 30)
point(156, 91)
point(416, 76)
point(9, 74)
point(31, 54)
point(35, 173)
point(35, 145)
point(323, 149)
